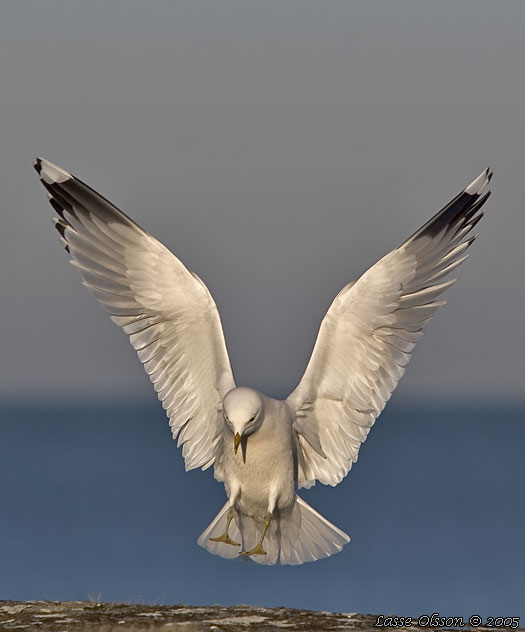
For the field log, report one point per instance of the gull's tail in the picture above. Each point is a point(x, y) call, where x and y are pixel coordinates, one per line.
point(296, 535)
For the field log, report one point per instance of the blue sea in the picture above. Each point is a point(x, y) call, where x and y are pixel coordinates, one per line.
point(95, 504)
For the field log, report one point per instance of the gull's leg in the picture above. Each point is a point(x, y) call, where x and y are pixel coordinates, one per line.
point(258, 548)
point(225, 537)
point(234, 493)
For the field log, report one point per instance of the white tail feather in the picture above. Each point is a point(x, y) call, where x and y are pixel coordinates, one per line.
point(215, 529)
point(296, 535)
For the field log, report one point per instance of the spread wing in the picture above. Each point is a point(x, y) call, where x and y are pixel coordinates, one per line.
point(167, 311)
point(366, 338)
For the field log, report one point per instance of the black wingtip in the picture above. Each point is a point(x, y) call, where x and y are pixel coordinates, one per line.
point(58, 208)
point(461, 209)
point(38, 165)
point(61, 227)
point(476, 220)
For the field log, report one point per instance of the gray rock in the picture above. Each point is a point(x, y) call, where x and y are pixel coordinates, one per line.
point(79, 616)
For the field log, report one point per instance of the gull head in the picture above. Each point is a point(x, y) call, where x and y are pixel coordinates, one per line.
point(243, 412)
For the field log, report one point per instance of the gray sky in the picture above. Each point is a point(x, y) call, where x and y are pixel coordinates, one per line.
point(279, 149)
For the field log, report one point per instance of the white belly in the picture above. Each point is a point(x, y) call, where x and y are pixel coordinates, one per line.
point(268, 472)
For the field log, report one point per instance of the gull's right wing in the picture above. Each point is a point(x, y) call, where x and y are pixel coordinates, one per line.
point(366, 338)
point(167, 311)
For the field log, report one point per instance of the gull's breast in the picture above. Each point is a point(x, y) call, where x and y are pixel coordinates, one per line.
point(268, 467)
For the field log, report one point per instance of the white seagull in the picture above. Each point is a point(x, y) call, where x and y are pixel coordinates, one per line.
point(364, 344)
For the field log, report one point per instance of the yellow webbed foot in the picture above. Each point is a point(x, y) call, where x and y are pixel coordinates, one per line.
point(257, 550)
point(226, 539)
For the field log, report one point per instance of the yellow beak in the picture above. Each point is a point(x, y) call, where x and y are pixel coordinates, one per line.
point(236, 442)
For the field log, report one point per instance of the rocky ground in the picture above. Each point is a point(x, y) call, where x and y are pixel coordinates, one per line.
point(78, 616)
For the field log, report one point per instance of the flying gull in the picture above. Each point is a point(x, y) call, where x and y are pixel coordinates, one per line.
point(263, 449)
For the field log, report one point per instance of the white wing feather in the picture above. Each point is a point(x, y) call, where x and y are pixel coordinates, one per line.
point(167, 311)
point(366, 338)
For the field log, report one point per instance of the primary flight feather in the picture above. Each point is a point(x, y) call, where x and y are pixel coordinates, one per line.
point(263, 449)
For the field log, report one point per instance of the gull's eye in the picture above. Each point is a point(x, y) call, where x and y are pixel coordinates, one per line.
point(252, 418)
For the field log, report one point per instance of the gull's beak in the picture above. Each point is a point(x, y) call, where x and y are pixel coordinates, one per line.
point(236, 442)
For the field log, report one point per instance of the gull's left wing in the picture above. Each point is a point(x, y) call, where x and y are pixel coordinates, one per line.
point(167, 311)
point(366, 338)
